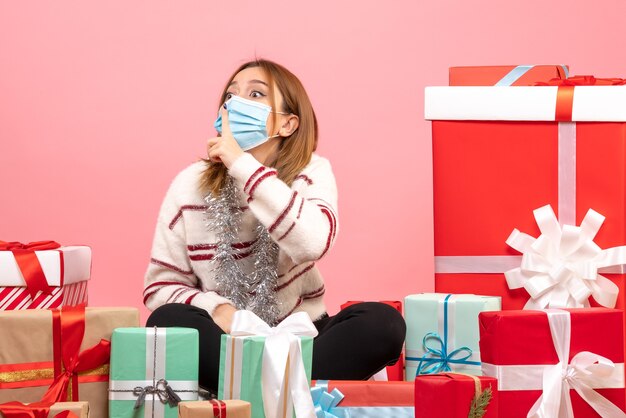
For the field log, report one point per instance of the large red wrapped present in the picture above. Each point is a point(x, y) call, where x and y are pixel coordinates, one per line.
point(53, 355)
point(558, 363)
point(395, 372)
point(505, 75)
point(42, 275)
point(352, 398)
point(501, 152)
point(455, 395)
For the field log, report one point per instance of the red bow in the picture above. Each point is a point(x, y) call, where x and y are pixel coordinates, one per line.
point(68, 330)
point(565, 93)
point(29, 265)
point(33, 410)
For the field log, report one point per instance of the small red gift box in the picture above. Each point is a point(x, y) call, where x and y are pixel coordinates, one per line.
point(453, 395)
point(395, 372)
point(544, 358)
point(507, 75)
point(365, 398)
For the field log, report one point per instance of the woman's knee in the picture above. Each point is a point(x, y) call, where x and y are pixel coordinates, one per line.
point(176, 315)
point(382, 320)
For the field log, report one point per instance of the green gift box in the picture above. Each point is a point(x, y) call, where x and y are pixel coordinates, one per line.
point(442, 332)
point(151, 369)
point(241, 370)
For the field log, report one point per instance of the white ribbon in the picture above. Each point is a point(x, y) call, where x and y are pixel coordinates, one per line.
point(585, 369)
point(560, 268)
point(284, 383)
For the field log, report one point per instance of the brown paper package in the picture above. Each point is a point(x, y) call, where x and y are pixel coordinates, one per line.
point(27, 338)
point(204, 409)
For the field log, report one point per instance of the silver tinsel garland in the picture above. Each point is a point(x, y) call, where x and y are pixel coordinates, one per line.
point(256, 291)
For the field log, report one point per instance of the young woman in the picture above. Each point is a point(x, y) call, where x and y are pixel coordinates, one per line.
point(244, 228)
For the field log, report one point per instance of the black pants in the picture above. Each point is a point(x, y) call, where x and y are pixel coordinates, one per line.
point(352, 345)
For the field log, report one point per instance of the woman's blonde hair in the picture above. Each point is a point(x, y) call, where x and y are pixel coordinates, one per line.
point(294, 151)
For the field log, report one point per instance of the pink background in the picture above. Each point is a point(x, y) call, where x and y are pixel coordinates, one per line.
point(102, 103)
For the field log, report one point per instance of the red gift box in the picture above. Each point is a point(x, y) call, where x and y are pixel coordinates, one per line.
point(510, 75)
point(519, 348)
point(367, 398)
point(430, 390)
point(499, 153)
point(395, 372)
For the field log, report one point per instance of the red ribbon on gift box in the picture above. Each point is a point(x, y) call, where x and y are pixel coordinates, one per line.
point(565, 93)
point(29, 264)
point(219, 408)
point(32, 410)
point(68, 331)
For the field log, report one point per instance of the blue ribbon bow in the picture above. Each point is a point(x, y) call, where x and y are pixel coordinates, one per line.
point(326, 403)
point(437, 360)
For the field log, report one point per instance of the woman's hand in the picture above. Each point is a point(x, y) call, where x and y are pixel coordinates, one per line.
point(223, 316)
point(224, 148)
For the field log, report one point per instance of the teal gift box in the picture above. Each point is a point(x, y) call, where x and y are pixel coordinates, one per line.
point(442, 332)
point(241, 369)
point(151, 370)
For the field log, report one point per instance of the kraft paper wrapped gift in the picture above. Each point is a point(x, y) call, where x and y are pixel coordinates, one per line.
point(395, 371)
point(214, 409)
point(547, 359)
point(501, 152)
point(454, 395)
point(505, 75)
point(153, 369)
point(43, 275)
point(353, 399)
point(80, 409)
point(442, 332)
point(36, 344)
point(257, 362)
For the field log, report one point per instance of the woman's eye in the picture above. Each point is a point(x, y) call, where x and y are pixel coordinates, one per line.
point(256, 94)
point(228, 96)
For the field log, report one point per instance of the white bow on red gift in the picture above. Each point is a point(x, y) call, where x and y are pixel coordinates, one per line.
point(560, 268)
point(285, 386)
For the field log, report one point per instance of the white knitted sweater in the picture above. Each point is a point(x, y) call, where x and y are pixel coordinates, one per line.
point(302, 219)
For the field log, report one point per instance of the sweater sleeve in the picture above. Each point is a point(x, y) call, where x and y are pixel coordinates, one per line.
point(170, 277)
point(303, 222)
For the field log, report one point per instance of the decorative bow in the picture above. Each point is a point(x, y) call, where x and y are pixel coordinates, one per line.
point(71, 322)
point(163, 391)
point(29, 264)
point(282, 362)
point(560, 268)
point(32, 410)
point(437, 360)
point(585, 370)
point(326, 403)
point(582, 80)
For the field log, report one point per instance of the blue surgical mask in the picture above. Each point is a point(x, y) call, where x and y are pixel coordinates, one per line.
point(247, 120)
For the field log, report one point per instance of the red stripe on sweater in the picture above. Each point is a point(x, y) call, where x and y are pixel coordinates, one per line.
point(203, 257)
point(288, 231)
point(300, 210)
point(258, 181)
point(283, 213)
point(165, 283)
point(237, 245)
point(305, 178)
point(175, 294)
point(182, 209)
point(256, 173)
point(170, 266)
point(289, 271)
point(319, 289)
point(298, 303)
point(331, 232)
point(287, 283)
point(190, 298)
